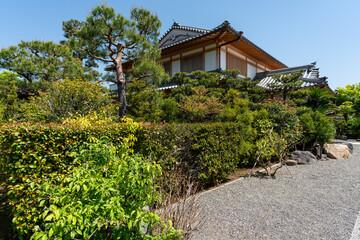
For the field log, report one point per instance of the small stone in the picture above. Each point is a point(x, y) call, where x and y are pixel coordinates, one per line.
point(303, 157)
point(324, 157)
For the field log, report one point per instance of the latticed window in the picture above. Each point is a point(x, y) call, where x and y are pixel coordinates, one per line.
point(237, 63)
point(192, 63)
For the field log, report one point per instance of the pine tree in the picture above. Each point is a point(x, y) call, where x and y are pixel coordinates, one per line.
point(111, 38)
point(47, 61)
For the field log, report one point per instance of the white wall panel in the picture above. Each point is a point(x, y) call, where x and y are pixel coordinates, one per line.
point(175, 67)
point(223, 60)
point(251, 71)
point(210, 61)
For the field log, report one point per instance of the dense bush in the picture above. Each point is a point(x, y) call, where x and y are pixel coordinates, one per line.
point(317, 128)
point(348, 102)
point(9, 102)
point(68, 98)
point(209, 152)
point(44, 168)
point(199, 97)
point(32, 153)
point(106, 197)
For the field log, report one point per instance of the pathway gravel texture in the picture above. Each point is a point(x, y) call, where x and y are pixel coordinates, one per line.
point(318, 201)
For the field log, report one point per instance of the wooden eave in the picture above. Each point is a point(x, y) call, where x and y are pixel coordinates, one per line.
point(256, 52)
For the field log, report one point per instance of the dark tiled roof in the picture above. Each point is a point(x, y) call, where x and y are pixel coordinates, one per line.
point(202, 34)
point(187, 28)
point(310, 76)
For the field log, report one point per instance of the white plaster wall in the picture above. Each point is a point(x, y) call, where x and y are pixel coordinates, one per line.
point(175, 67)
point(261, 66)
point(223, 60)
point(251, 71)
point(236, 54)
point(210, 61)
point(210, 46)
point(192, 52)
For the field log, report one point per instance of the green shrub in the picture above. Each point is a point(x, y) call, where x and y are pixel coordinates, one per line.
point(353, 127)
point(104, 198)
point(68, 98)
point(31, 153)
point(9, 103)
point(209, 152)
point(317, 128)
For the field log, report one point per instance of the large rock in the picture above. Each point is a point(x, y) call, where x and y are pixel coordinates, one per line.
point(303, 157)
point(291, 163)
point(337, 151)
point(351, 147)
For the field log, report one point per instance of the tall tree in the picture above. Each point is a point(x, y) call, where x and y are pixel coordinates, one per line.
point(76, 45)
point(9, 103)
point(113, 39)
point(47, 61)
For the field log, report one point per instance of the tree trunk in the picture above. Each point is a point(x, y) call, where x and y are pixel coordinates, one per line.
point(121, 87)
point(122, 98)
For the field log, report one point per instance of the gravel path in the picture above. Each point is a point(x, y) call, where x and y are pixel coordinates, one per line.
point(319, 201)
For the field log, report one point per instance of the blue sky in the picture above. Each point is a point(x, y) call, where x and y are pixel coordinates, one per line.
point(295, 32)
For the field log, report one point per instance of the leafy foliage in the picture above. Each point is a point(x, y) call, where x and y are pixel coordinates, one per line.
point(105, 197)
point(348, 100)
point(317, 128)
point(320, 99)
point(67, 99)
point(47, 61)
point(200, 106)
point(286, 83)
point(350, 93)
point(9, 103)
point(144, 101)
point(208, 152)
point(271, 144)
point(35, 153)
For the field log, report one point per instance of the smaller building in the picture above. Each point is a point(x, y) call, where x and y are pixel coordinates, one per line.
point(310, 76)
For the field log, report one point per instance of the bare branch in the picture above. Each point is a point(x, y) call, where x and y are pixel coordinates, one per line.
point(98, 58)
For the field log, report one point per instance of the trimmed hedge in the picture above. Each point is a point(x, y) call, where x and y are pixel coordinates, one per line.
point(46, 148)
point(207, 151)
point(32, 153)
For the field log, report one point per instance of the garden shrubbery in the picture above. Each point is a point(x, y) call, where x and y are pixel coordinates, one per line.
point(207, 151)
point(62, 178)
point(46, 167)
point(217, 124)
point(32, 154)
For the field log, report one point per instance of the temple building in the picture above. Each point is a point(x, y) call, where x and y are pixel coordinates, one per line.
point(187, 49)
